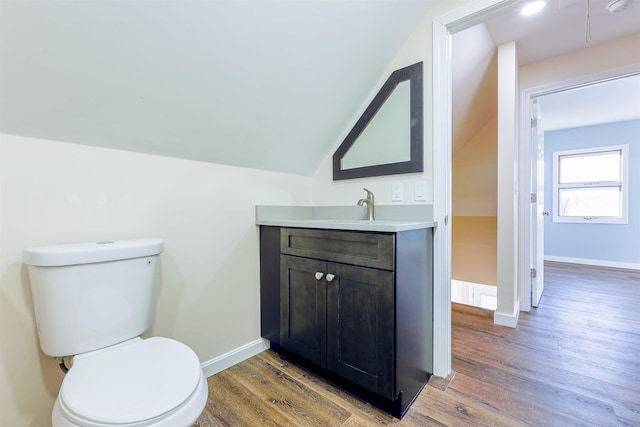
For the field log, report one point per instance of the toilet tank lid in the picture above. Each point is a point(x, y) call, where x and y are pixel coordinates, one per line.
point(86, 253)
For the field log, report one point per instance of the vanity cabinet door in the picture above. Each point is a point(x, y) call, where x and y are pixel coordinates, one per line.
point(303, 307)
point(360, 327)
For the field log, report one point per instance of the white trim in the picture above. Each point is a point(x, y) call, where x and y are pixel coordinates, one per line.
point(507, 319)
point(455, 20)
point(525, 167)
point(585, 80)
point(441, 199)
point(472, 13)
point(233, 357)
point(596, 262)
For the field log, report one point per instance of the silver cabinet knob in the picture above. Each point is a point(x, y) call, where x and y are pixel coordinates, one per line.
point(330, 277)
point(319, 275)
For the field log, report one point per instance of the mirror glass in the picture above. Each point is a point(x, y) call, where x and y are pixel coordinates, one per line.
point(382, 140)
point(388, 138)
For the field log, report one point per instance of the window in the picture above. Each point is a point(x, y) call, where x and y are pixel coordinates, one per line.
point(590, 185)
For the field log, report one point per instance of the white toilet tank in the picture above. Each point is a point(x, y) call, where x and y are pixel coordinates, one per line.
point(88, 296)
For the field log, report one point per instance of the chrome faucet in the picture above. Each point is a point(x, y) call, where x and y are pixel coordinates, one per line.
point(370, 204)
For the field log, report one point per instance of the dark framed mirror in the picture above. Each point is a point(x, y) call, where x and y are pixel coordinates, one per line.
point(388, 138)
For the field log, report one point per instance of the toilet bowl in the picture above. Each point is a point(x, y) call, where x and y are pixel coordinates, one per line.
point(151, 382)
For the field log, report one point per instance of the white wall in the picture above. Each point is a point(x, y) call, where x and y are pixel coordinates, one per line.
point(474, 203)
point(611, 245)
point(618, 53)
point(508, 300)
point(474, 174)
point(52, 192)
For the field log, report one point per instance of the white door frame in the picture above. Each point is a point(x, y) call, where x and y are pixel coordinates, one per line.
point(526, 96)
point(443, 26)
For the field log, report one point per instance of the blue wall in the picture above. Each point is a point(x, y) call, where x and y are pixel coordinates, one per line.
point(617, 243)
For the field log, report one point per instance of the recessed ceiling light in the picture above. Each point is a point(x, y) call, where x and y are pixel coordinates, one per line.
point(532, 8)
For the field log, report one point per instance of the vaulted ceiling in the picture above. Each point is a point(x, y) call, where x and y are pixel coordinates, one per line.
point(268, 84)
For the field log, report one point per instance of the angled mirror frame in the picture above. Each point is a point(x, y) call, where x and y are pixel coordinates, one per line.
point(413, 74)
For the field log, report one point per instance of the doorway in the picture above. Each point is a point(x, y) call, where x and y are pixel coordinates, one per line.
point(443, 27)
point(568, 106)
point(474, 169)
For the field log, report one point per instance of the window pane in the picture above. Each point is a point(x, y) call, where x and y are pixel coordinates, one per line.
point(593, 167)
point(601, 201)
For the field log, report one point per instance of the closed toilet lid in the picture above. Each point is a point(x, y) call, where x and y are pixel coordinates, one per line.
point(133, 382)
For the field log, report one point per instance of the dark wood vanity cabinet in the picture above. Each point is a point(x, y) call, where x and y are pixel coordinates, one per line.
point(357, 305)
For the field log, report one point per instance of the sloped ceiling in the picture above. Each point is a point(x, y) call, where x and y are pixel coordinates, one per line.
point(474, 81)
point(261, 84)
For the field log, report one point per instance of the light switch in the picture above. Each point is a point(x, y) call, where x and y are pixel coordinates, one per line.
point(420, 193)
point(396, 192)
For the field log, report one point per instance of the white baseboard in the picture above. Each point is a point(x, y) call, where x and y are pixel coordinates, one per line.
point(233, 357)
point(596, 262)
point(505, 319)
point(471, 294)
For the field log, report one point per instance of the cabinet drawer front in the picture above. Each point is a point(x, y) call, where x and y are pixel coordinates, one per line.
point(365, 249)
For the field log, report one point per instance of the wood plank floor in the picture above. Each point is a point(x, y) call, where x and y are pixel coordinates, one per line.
point(573, 361)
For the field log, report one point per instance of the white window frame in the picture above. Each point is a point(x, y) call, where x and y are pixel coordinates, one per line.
point(623, 184)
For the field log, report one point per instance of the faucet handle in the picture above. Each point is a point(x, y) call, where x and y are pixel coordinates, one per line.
point(369, 194)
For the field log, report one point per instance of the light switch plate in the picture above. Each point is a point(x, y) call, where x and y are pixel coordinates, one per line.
point(420, 193)
point(396, 192)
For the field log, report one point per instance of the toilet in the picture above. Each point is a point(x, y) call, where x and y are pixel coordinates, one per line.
point(92, 301)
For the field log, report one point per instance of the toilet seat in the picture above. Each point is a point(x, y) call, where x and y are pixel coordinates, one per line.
point(130, 383)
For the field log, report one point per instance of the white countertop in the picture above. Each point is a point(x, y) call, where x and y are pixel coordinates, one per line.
point(346, 224)
point(304, 217)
